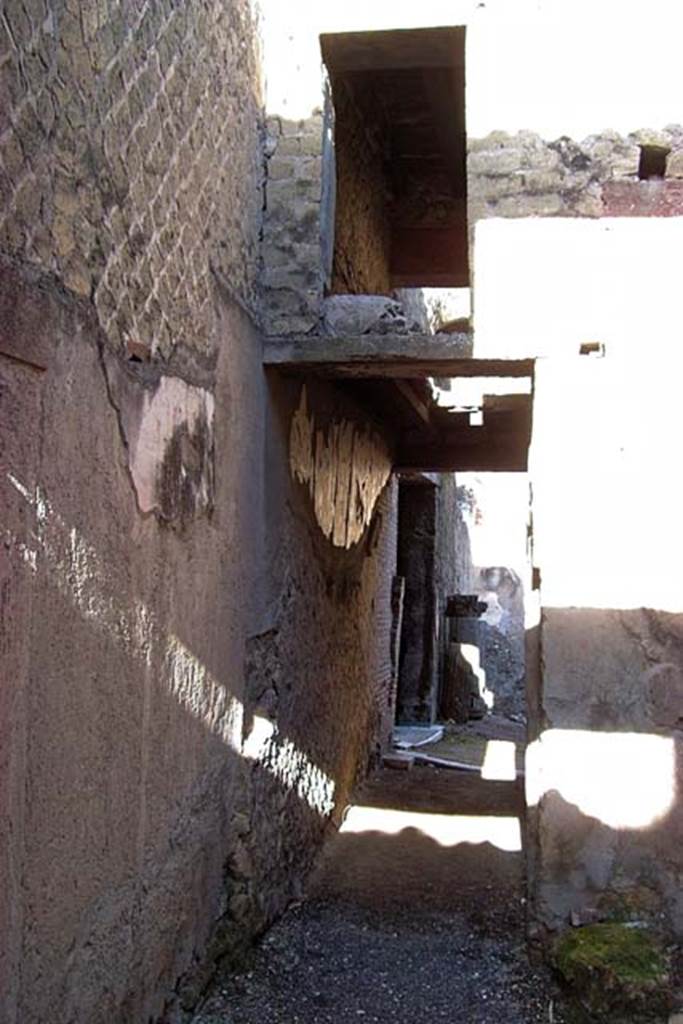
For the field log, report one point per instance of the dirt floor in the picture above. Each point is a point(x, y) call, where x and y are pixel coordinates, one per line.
point(416, 913)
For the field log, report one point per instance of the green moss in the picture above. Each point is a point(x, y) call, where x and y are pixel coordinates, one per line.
point(614, 967)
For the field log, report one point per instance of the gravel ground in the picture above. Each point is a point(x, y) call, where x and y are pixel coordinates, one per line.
point(399, 927)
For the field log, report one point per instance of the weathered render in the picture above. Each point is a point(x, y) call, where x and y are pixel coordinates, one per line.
point(194, 677)
point(198, 554)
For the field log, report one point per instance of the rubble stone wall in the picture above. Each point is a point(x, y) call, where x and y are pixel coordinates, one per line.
point(292, 261)
point(523, 175)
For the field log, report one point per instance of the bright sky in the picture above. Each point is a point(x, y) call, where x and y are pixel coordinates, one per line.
point(551, 66)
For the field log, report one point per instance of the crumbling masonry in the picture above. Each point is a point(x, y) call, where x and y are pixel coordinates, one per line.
point(198, 554)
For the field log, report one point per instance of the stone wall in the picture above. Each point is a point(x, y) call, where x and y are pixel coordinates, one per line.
point(292, 261)
point(523, 175)
point(195, 688)
point(130, 161)
point(197, 673)
point(604, 767)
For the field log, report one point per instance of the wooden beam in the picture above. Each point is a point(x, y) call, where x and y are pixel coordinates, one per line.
point(414, 402)
point(392, 356)
point(396, 48)
point(509, 456)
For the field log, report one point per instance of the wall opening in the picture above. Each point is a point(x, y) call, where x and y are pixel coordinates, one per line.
point(652, 163)
point(400, 217)
point(416, 563)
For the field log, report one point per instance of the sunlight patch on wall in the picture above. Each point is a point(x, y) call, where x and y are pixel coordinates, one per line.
point(289, 765)
point(80, 575)
point(625, 780)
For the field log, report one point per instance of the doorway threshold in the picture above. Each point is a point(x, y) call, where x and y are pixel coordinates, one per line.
point(406, 737)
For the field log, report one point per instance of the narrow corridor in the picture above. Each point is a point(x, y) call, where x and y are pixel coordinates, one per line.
point(416, 912)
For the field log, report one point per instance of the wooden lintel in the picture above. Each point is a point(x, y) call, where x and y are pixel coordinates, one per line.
point(498, 448)
point(397, 48)
point(439, 458)
point(388, 356)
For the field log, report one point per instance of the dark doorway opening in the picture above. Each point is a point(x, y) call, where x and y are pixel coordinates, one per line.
point(417, 693)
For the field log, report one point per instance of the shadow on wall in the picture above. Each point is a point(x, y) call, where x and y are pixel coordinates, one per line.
point(605, 768)
point(149, 789)
point(270, 774)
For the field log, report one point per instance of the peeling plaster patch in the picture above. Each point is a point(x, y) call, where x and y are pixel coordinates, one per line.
point(344, 468)
point(170, 437)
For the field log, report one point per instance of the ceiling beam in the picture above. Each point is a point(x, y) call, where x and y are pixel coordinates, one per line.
point(392, 356)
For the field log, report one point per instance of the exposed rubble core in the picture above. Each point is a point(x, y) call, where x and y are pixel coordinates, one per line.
point(524, 175)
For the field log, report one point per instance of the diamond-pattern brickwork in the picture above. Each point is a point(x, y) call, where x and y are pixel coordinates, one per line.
point(130, 157)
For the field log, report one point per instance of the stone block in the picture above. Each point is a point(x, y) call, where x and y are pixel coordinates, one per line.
point(280, 168)
point(280, 326)
point(309, 168)
point(674, 164)
point(289, 194)
point(529, 206)
point(651, 137)
point(589, 203)
point(276, 255)
point(399, 760)
point(362, 314)
point(482, 186)
point(625, 161)
point(542, 181)
point(288, 147)
point(493, 140)
point(478, 209)
point(287, 276)
point(540, 157)
point(495, 161)
point(311, 144)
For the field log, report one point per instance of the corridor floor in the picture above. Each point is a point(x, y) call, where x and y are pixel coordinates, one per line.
point(416, 913)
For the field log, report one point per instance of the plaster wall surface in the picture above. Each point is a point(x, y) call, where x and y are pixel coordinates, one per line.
point(604, 771)
point(191, 698)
